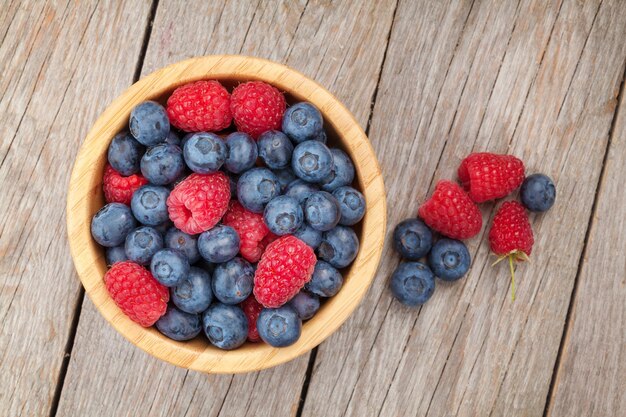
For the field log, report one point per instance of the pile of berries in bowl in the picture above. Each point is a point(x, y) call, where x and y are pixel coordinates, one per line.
point(219, 233)
point(234, 217)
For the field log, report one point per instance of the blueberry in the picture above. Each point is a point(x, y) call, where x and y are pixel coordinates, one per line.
point(412, 239)
point(232, 182)
point(193, 294)
point(142, 243)
point(339, 246)
point(285, 177)
point(279, 327)
point(149, 123)
point(322, 211)
point(205, 153)
point(177, 239)
point(173, 139)
point(163, 164)
point(342, 173)
point(164, 227)
point(275, 149)
point(111, 224)
point(283, 215)
point(125, 153)
point(169, 267)
point(326, 280)
point(149, 204)
point(178, 325)
point(449, 259)
point(312, 161)
point(233, 281)
point(308, 235)
point(256, 188)
point(538, 192)
point(321, 137)
point(412, 283)
point(242, 152)
point(300, 190)
point(219, 244)
point(302, 121)
point(351, 205)
point(226, 326)
point(305, 304)
point(115, 254)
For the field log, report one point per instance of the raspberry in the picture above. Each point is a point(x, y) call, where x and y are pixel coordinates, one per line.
point(511, 236)
point(510, 232)
point(451, 212)
point(120, 189)
point(257, 107)
point(487, 176)
point(251, 230)
point(286, 265)
point(136, 292)
point(198, 202)
point(252, 309)
point(200, 106)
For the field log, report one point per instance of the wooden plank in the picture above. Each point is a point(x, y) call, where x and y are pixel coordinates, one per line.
point(591, 376)
point(536, 79)
point(325, 41)
point(53, 84)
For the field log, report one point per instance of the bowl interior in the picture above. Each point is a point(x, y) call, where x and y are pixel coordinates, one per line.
point(85, 198)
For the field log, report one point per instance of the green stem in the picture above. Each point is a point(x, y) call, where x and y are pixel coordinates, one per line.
point(512, 277)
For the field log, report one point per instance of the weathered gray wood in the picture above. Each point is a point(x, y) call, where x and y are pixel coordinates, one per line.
point(591, 377)
point(536, 79)
point(60, 63)
point(325, 41)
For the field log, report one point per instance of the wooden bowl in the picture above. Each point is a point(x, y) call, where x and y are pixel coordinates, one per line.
point(85, 198)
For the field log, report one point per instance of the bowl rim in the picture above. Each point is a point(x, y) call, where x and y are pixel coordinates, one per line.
point(84, 199)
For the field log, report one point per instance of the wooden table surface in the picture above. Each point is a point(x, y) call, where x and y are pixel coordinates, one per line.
point(430, 81)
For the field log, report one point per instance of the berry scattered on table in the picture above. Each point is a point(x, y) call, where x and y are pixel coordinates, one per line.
point(199, 201)
point(226, 326)
point(136, 292)
point(284, 268)
point(279, 327)
point(412, 283)
point(538, 192)
point(194, 293)
point(220, 244)
point(178, 325)
point(233, 281)
point(487, 176)
point(449, 259)
point(120, 189)
point(412, 239)
point(200, 106)
point(228, 221)
point(257, 107)
point(149, 123)
point(451, 212)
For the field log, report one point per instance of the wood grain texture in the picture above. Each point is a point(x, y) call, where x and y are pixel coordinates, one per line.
point(591, 377)
point(479, 76)
point(53, 84)
point(313, 37)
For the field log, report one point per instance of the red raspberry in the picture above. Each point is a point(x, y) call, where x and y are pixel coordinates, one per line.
point(135, 291)
point(120, 189)
point(286, 265)
point(203, 106)
point(198, 202)
point(511, 236)
point(451, 212)
point(252, 309)
point(257, 107)
point(487, 176)
point(251, 230)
